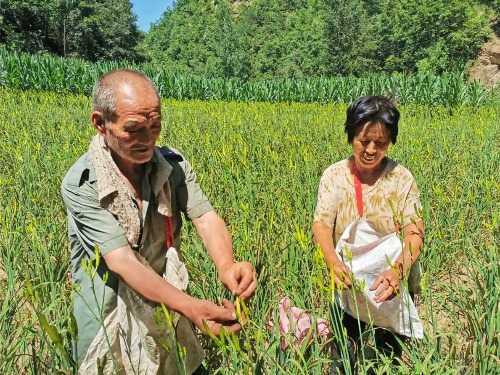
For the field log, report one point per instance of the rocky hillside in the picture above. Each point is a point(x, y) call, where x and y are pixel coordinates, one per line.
point(486, 69)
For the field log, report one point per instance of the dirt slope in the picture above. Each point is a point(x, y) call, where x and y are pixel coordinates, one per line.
point(486, 69)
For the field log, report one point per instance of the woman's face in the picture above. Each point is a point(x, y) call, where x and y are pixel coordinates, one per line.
point(369, 146)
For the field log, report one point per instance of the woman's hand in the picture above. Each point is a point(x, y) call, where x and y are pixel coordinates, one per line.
point(386, 285)
point(323, 237)
point(340, 275)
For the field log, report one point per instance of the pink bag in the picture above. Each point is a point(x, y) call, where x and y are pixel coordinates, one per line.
point(297, 321)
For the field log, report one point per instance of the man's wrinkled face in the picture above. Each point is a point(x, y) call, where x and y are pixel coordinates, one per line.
point(369, 146)
point(132, 133)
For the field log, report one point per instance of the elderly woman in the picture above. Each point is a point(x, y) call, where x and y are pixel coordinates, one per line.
point(372, 193)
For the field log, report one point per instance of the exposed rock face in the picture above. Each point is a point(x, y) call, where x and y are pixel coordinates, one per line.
point(487, 67)
point(494, 53)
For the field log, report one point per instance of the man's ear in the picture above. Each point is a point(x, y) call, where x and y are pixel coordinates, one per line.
point(98, 122)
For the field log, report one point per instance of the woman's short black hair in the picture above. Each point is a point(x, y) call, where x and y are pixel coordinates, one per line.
point(376, 109)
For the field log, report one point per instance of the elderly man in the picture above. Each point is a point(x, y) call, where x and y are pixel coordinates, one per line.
point(124, 199)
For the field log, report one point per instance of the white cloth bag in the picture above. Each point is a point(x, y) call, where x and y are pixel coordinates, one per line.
point(373, 253)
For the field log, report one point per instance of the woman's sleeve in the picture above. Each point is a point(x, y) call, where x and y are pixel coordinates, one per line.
point(412, 208)
point(326, 206)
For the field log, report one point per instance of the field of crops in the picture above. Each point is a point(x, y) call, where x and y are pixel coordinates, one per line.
point(260, 165)
point(22, 71)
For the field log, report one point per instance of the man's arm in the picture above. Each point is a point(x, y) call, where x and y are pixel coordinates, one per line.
point(149, 284)
point(239, 277)
point(98, 228)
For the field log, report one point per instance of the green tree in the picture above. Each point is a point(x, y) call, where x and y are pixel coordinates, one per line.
point(350, 41)
point(494, 6)
point(431, 35)
point(28, 25)
point(301, 38)
point(285, 38)
point(196, 37)
point(102, 30)
point(91, 29)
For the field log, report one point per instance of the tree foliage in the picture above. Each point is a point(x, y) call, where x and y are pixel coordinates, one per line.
point(28, 25)
point(90, 29)
point(285, 38)
point(260, 38)
point(298, 38)
point(429, 35)
point(350, 37)
point(196, 37)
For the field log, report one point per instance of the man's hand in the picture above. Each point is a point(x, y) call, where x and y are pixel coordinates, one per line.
point(240, 278)
point(386, 285)
point(207, 315)
point(204, 314)
point(340, 274)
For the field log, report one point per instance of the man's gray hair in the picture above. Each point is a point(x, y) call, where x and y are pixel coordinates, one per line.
point(104, 91)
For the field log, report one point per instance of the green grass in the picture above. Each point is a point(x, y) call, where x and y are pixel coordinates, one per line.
point(260, 165)
point(42, 72)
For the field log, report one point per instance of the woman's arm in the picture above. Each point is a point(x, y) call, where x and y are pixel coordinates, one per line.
point(388, 282)
point(413, 240)
point(323, 237)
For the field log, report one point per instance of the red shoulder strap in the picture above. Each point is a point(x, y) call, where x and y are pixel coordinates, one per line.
point(169, 232)
point(358, 190)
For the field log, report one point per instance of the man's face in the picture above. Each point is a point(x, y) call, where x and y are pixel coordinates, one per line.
point(132, 133)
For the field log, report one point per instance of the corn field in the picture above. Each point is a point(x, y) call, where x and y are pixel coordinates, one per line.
point(259, 164)
point(22, 71)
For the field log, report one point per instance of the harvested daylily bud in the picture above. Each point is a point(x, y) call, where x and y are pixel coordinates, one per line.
point(241, 311)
